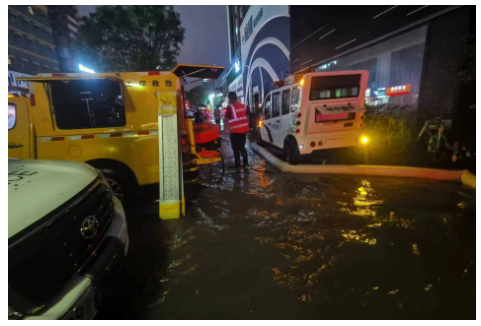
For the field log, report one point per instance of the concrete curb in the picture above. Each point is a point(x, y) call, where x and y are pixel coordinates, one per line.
point(375, 170)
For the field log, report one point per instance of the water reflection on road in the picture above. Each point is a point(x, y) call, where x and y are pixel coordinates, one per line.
point(263, 244)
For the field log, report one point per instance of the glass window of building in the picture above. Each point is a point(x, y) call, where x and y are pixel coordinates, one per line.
point(396, 62)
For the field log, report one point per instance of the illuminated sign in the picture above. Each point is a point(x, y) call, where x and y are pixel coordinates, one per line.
point(257, 16)
point(398, 90)
point(237, 66)
point(82, 68)
point(251, 25)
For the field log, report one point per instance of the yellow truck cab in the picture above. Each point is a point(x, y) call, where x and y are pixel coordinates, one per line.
point(108, 120)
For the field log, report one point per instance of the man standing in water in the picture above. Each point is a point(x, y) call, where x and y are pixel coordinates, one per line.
point(238, 116)
point(217, 116)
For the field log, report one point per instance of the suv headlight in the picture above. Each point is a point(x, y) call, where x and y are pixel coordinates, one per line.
point(104, 181)
point(13, 314)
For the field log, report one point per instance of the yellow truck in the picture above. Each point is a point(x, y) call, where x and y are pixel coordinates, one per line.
point(108, 120)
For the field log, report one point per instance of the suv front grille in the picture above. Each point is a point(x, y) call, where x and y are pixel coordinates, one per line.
point(47, 255)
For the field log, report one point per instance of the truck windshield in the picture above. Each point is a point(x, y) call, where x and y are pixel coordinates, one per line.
point(330, 87)
point(83, 104)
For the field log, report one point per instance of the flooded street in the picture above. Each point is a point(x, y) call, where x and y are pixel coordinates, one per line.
point(267, 245)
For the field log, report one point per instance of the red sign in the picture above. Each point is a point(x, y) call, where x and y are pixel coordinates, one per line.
point(398, 90)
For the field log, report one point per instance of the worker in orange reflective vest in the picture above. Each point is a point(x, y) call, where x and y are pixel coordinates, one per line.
point(238, 116)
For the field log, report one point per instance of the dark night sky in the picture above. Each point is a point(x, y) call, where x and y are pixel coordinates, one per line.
point(205, 34)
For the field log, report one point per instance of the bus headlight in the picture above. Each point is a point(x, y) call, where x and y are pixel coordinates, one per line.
point(364, 140)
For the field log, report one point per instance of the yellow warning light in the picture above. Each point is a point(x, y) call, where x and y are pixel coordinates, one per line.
point(260, 123)
point(301, 82)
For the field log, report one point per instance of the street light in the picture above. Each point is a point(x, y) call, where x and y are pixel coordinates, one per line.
point(82, 68)
point(211, 98)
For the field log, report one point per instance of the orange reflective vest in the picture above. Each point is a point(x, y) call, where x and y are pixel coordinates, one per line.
point(239, 121)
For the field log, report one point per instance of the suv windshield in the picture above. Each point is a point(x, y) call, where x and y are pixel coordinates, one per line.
point(328, 87)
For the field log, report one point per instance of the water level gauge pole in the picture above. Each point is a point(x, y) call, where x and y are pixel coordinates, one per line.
point(171, 203)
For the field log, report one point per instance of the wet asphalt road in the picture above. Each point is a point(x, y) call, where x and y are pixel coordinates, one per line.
point(267, 245)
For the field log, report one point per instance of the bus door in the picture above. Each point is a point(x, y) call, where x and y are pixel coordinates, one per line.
point(276, 117)
point(286, 120)
point(266, 130)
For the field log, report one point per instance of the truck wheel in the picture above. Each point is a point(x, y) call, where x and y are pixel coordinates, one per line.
point(122, 187)
point(291, 152)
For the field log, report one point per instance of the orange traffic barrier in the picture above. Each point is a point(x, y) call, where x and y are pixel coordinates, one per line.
point(374, 170)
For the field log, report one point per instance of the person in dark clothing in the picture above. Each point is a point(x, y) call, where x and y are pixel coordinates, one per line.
point(199, 116)
point(217, 116)
point(238, 116)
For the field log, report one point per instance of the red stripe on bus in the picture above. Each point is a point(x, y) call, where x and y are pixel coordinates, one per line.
point(143, 133)
point(58, 75)
point(154, 73)
point(57, 138)
point(88, 136)
point(116, 135)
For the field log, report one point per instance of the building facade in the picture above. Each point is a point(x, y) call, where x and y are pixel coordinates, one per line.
point(35, 44)
point(64, 20)
point(415, 55)
point(259, 43)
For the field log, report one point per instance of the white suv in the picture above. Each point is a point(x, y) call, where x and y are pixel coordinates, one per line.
point(67, 234)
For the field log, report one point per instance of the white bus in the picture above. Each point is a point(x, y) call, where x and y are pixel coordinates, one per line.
point(316, 111)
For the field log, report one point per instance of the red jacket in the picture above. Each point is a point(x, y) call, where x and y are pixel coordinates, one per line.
point(238, 118)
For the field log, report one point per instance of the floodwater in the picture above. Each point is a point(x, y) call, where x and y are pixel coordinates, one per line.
point(267, 245)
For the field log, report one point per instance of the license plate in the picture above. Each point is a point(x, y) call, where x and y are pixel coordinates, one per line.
point(334, 116)
point(85, 307)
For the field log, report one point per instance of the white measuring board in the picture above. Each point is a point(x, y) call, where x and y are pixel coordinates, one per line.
point(171, 202)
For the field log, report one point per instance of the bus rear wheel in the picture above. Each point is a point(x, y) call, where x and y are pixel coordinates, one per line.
point(291, 152)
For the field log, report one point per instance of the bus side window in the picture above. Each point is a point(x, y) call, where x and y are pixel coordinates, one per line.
point(267, 108)
point(286, 100)
point(295, 98)
point(276, 104)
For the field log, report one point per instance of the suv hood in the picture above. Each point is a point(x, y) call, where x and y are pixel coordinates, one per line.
point(37, 187)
